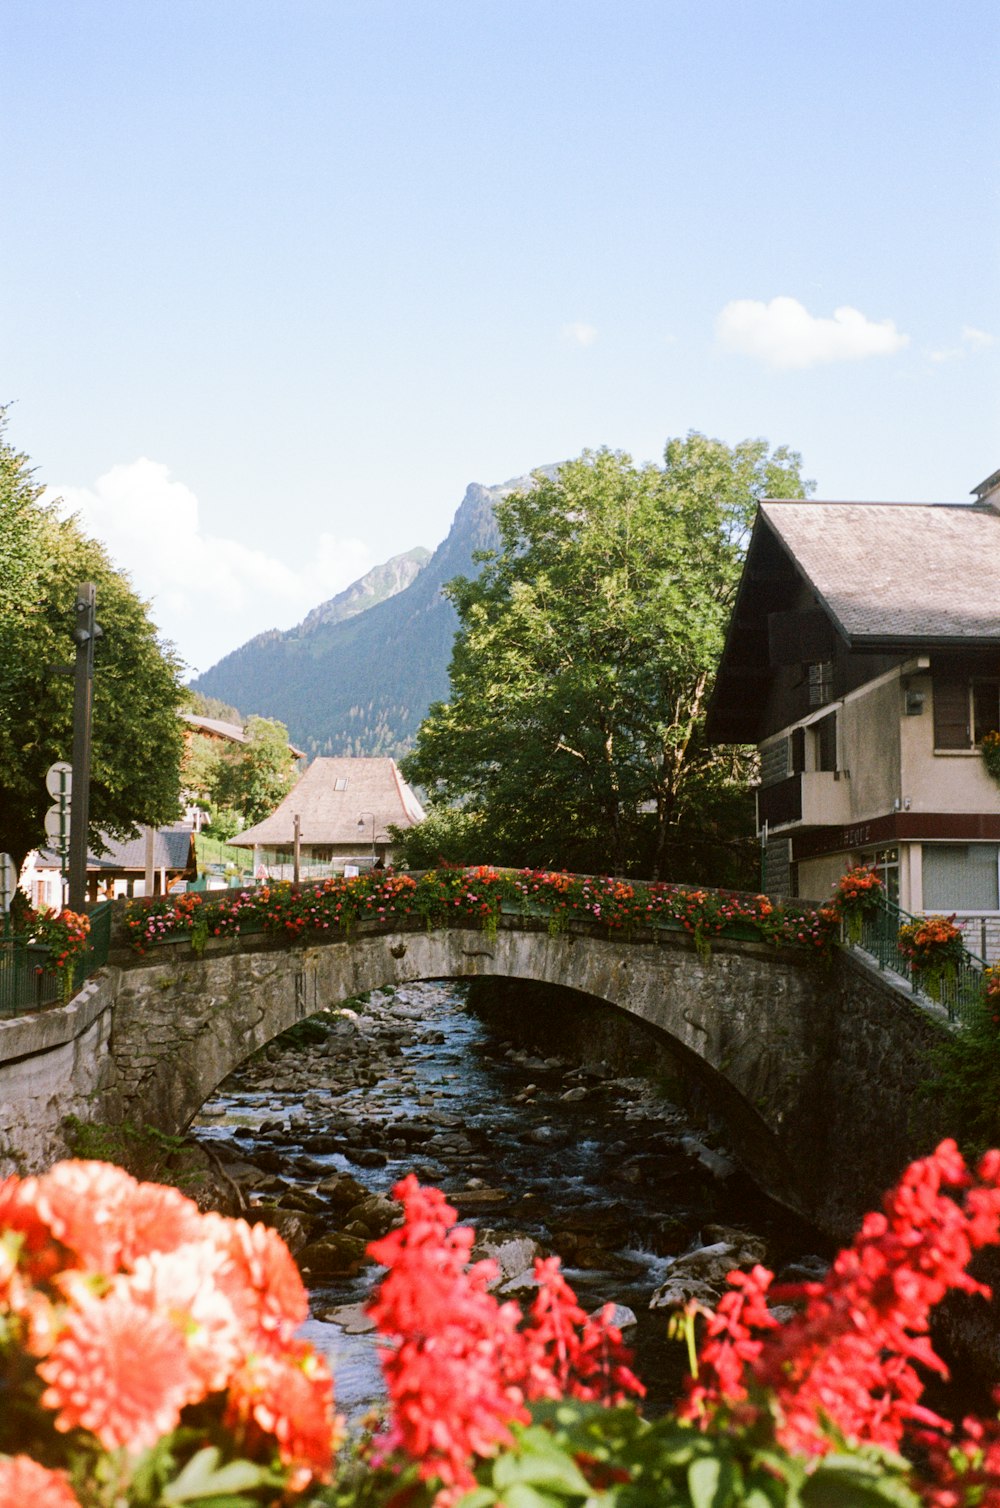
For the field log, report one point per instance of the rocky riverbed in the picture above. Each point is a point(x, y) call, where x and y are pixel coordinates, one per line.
point(539, 1153)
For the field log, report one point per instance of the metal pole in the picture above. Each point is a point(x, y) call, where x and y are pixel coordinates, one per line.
point(297, 847)
point(84, 633)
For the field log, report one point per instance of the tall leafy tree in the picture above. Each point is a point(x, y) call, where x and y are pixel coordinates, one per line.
point(137, 735)
point(252, 778)
point(584, 660)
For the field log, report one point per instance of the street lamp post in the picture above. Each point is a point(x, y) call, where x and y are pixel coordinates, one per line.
point(361, 824)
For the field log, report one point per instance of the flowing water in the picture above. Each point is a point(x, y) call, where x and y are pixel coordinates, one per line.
point(601, 1170)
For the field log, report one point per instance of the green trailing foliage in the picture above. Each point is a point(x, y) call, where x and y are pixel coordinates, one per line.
point(965, 1067)
point(142, 1150)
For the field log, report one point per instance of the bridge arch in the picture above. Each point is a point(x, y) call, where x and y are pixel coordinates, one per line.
point(743, 1016)
point(818, 1064)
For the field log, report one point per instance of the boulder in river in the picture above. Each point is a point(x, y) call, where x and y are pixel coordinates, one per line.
point(701, 1274)
point(335, 1256)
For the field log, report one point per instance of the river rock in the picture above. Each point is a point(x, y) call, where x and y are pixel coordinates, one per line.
point(622, 1317)
point(353, 1319)
point(295, 1228)
point(717, 1163)
point(701, 1274)
point(341, 1192)
point(376, 1216)
point(548, 1136)
point(476, 1198)
point(368, 1157)
point(514, 1255)
point(335, 1256)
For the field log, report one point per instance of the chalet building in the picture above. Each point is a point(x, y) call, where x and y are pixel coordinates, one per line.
point(214, 729)
point(344, 809)
point(863, 659)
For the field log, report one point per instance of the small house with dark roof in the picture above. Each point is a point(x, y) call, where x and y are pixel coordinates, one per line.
point(118, 869)
point(863, 659)
point(343, 809)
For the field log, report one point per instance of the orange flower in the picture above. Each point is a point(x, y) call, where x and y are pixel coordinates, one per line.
point(23, 1481)
point(261, 1281)
point(35, 1253)
point(291, 1398)
point(119, 1371)
point(184, 1286)
point(107, 1218)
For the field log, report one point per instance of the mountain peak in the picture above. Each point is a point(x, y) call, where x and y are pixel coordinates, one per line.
point(357, 675)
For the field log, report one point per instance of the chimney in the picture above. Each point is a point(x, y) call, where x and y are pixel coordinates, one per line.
point(987, 494)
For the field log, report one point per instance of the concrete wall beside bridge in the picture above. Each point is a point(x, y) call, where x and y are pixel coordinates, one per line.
point(814, 1066)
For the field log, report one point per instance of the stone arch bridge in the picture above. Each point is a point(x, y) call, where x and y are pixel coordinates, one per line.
point(811, 1063)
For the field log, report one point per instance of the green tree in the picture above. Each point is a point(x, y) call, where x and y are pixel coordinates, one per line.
point(252, 778)
point(584, 661)
point(137, 736)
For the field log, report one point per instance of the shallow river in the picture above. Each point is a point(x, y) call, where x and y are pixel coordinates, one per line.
point(601, 1170)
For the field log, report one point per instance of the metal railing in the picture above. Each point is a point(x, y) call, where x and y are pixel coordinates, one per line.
point(27, 980)
point(958, 986)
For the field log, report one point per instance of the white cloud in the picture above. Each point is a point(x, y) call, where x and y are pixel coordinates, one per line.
point(971, 340)
point(579, 333)
point(976, 340)
point(784, 334)
point(209, 593)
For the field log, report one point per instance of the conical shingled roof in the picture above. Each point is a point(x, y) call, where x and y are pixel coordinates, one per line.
point(329, 800)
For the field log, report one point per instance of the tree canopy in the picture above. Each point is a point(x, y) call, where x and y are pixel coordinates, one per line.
point(250, 779)
point(137, 735)
point(583, 664)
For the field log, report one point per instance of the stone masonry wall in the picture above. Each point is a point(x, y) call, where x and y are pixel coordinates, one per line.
point(815, 1069)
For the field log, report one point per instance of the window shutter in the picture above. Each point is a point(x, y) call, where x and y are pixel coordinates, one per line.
point(826, 742)
point(951, 713)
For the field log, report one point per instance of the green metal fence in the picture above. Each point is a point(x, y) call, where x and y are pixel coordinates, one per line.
point(29, 983)
point(959, 986)
point(26, 982)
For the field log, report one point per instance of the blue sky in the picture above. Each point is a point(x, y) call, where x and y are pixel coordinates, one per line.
point(277, 280)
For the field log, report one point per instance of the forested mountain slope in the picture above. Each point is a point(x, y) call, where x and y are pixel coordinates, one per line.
point(361, 684)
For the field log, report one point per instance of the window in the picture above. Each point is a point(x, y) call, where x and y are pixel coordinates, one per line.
point(820, 683)
point(797, 750)
point(961, 877)
point(340, 784)
point(964, 710)
point(985, 709)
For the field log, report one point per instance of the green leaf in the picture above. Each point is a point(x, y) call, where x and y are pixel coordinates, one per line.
point(479, 1497)
point(538, 1460)
point(709, 1482)
point(844, 1481)
point(203, 1479)
point(523, 1495)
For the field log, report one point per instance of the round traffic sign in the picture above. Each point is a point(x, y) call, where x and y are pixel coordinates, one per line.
point(59, 778)
point(57, 828)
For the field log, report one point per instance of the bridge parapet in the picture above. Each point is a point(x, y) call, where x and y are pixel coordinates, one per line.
point(782, 1035)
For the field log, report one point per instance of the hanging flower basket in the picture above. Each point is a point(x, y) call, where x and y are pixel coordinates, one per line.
point(856, 895)
point(935, 947)
point(990, 746)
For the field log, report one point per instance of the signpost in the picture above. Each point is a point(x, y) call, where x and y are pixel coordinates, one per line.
point(8, 882)
point(85, 632)
point(59, 783)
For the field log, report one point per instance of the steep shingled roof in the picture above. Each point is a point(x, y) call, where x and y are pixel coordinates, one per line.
point(898, 570)
point(329, 816)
